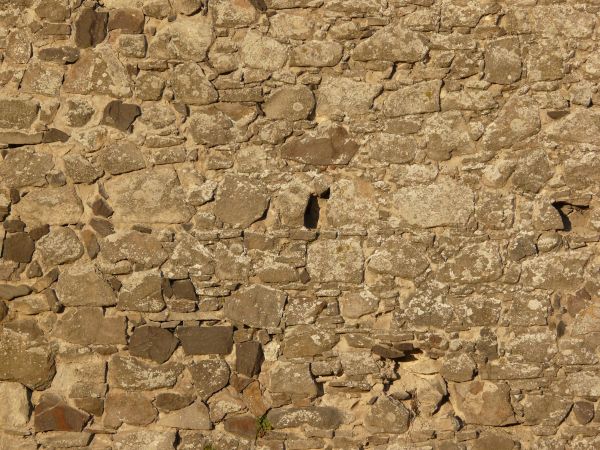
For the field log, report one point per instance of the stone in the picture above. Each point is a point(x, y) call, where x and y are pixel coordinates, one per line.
point(241, 201)
point(329, 144)
point(211, 128)
point(338, 95)
point(503, 60)
point(262, 52)
point(356, 305)
point(466, 13)
point(25, 358)
point(61, 245)
point(316, 54)
point(193, 417)
point(187, 39)
point(133, 374)
point(190, 74)
point(289, 103)
point(43, 79)
point(392, 43)
point(145, 439)
point(15, 415)
point(89, 326)
point(148, 196)
point(256, 306)
point(184, 289)
point(546, 410)
point(248, 358)
point(157, 344)
point(495, 440)
point(82, 285)
point(292, 379)
point(419, 98)
point(347, 267)
point(18, 247)
point(139, 248)
point(170, 401)
point(555, 271)
point(240, 14)
point(52, 413)
point(471, 401)
point(387, 415)
point(189, 258)
point(128, 20)
point(244, 426)
point(8, 292)
point(135, 46)
point(209, 376)
point(52, 205)
point(474, 263)
point(443, 203)
point(142, 291)
point(120, 115)
point(18, 113)
point(459, 368)
point(121, 158)
point(79, 112)
point(321, 417)
point(400, 258)
point(61, 55)
point(447, 135)
point(129, 408)
point(18, 46)
point(90, 28)
point(307, 340)
point(213, 340)
point(583, 412)
point(80, 170)
point(518, 120)
point(187, 7)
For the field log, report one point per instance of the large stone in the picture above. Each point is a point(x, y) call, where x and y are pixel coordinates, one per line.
point(582, 126)
point(262, 52)
point(90, 28)
point(546, 409)
point(289, 103)
point(555, 271)
point(418, 98)
point(387, 415)
point(61, 245)
point(292, 379)
point(189, 258)
point(482, 403)
point(120, 115)
point(446, 135)
point(18, 247)
point(248, 358)
point(134, 374)
point(399, 257)
point(81, 285)
point(391, 148)
point(209, 376)
point(322, 417)
point(443, 203)
point(335, 261)
point(212, 127)
point(51, 205)
point(18, 46)
point(43, 79)
point(18, 113)
point(518, 119)
point(89, 326)
point(474, 263)
point(308, 340)
point(458, 368)
point(139, 248)
point(329, 144)
point(503, 60)
point(241, 200)
point(239, 14)
point(466, 13)
point(148, 196)
point(25, 167)
point(316, 54)
point(128, 407)
point(257, 306)
point(52, 413)
point(392, 43)
point(190, 85)
point(583, 384)
point(121, 157)
point(193, 417)
point(144, 439)
point(213, 340)
point(15, 413)
point(187, 39)
point(128, 20)
point(338, 95)
point(155, 343)
point(142, 291)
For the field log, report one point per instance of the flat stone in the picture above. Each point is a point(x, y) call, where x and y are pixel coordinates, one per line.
point(307, 340)
point(8, 292)
point(346, 267)
point(471, 402)
point(120, 115)
point(474, 263)
point(138, 248)
point(82, 285)
point(213, 340)
point(357, 304)
point(79, 169)
point(128, 20)
point(322, 417)
point(18, 46)
point(338, 95)
point(145, 439)
point(418, 98)
point(128, 407)
point(503, 60)
point(15, 416)
point(257, 306)
point(155, 343)
point(121, 157)
point(193, 417)
point(227, 14)
point(133, 374)
point(187, 7)
point(518, 120)
point(292, 379)
point(172, 401)
point(148, 196)
point(90, 28)
point(89, 326)
point(61, 55)
point(248, 358)
point(400, 258)
point(387, 415)
point(316, 54)
point(244, 426)
point(18, 247)
point(52, 413)
point(328, 145)
point(142, 291)
point(546, 410)
point(187, 75)
point(392, 43)
point(211, 128)
point(41, 78)
point(289, 103)
point(262, 52)
point(209, 376)
point(18, 113)
point(61, 245)
point(555, 271)
point(187, 39)
point(52, 205)
point(241, 200)
point(458, 368)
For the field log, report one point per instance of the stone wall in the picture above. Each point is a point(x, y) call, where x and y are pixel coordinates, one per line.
point(299, 224)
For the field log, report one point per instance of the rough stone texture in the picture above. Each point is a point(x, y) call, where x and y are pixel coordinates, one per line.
point(269, 224)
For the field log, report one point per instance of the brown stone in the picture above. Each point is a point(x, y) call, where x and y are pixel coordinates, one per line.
point(583, 412)
point(172, 401)
point(241, 200)
point(90, 28)
point(120, 115)
point(61, 55)
point(82, 286)
point(18, 247)
point(17, 113)
point(329, 145)
point(128, 20)
point(249, 357)
point(8, 292)
point(157, 344)
point(213, 340)
point(209, 376)
point(142, 291)
point(52, 413)
point(134, 374)
point(129, 408)
point(387, 415)
point(322, 417)
point(75, 326)
point(256, 306)
point(244, 426)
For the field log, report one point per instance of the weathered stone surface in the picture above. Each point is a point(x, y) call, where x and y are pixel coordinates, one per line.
point(503, 61)
point(52, 413)
point(291, 103)
point(193, 417)
point(248, 358)
point(187, 38)
point(149, 439)
point(82, 285)
point(346, 267)
point(148, 196)
point(129, 408)
point(25, 167)
point(328, 145)
point(190, 74)
point(418, 98)
point(555, 270)
point(43, 79)
point(261, 52)
point(74, 326)
point(134, 374)
point(157, 344)
point(139, 248)
point(393, 43)
point(59, 246)
point(518, 120)
point(345, 96)
point(15, 414)
point(399, 257)
point(18, 247)
point(120, 115)
point(387, 415)
point(61, 55)
point(214, 340)
point(51, 205)
point(307, 340)
point(209, 376)
point(17, 113)
point(257, 306)
point(142, 291)
point(391, 148)
point(471, 402)
point(324, 417)
point(90, 28)
point(293, 379)
point(241, 201)
point(240, 14)
point(316, 54)
point(474, 263)
point(18, 46)
point(128, 20)
point(547, 409)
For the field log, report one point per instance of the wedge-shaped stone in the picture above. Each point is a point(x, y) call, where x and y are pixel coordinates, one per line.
point(518, 120)
point(142, 291)
point(193, 417)
point(191, 85)
point(387, 415)
point(52, 413)
point(256, 306)
point(392, 43)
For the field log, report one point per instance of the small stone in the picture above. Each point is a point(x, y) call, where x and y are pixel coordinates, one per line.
point(60, 246)
point(18, 46)
point(503, 133)
point(213, 340)
point(129, 373)
point(102, 226)
point(18, 247)
point(187, 7)
point(120, 115)
point(121, 158)
point(8, 292)
point(157, 344)
point(458, 368)
point(53, 10)
point(193, 417)
point(190, 74)
point(52, 413)
point(321, 417)
point(74, 326)
point(241, 201)
point(138, 248)
point(387, 352)
point(15, 415)
point(142, 291)
point(43, 79)
point(290, 103)
point(55, 135)
point(257, 306)
point(171, 401)
point(209, 376)
point(135, 46)
point(82, 286)
point(127, 407)
point(387, 415)
point(144, 439)
point(249, 357)
point(90, 28)
point(128, 20)
point(423, 97)
point(79, 169)
point(184, 289)
point(240, 14)
point(316, 54)
point(329, 145)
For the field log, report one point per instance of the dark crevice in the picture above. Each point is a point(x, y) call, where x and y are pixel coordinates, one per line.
point(565, 209)
point(312, 212)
